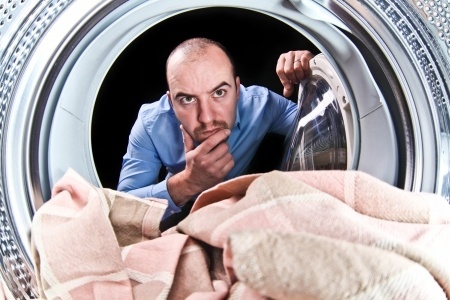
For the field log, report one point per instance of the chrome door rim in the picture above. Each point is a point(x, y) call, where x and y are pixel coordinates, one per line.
point(82, 23)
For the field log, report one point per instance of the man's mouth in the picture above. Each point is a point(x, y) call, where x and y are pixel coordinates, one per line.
point(202, 132)
point(210, 132)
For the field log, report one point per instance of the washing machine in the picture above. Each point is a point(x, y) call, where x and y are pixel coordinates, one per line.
point(74, 73)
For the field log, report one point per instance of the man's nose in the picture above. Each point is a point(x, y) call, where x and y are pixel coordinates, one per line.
point(206, 111)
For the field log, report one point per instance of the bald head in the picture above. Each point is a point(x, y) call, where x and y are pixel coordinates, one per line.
point(193, 50)
point(203, 89)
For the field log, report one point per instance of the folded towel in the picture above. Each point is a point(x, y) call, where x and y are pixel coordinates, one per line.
point(277, 235)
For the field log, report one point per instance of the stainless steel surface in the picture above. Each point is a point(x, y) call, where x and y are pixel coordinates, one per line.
point(319, 141)
point(392, 58)
point(323, 134)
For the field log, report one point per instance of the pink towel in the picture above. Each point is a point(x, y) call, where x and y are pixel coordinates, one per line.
point(278, 235)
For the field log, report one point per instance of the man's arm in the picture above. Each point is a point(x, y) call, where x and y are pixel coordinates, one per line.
point(206, 166)
point(140, 168)
point(141, 163)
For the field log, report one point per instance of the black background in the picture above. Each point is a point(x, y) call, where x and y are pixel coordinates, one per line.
point(255, 41)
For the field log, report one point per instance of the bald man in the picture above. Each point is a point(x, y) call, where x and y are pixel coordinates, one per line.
point(207, 127)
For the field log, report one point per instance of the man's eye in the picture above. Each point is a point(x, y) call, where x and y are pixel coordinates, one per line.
point(187, 100)
point(219, 93)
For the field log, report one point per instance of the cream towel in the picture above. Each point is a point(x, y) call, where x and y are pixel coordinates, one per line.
point(278, 235)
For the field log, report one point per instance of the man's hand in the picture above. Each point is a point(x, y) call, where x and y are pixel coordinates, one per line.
point(206, 166)
point(293, 67)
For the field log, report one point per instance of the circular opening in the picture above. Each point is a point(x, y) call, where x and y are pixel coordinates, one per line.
point(138, 75)
point(255, 39)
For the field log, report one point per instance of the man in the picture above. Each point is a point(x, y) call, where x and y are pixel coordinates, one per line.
point(207, 127)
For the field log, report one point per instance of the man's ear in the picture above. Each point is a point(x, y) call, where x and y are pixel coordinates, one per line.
point(238, 84)
point(169, 97)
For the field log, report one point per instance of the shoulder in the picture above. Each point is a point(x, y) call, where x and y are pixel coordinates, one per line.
point(254, 91)
point(259, 95)
point(252, 96)
point(151, 112)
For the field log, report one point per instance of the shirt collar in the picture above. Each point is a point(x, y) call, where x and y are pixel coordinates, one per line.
point(237, 123)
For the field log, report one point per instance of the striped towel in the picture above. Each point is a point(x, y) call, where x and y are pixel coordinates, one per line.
point(277, 235)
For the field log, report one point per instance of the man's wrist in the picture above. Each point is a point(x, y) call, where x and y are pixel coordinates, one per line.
point(179, 189)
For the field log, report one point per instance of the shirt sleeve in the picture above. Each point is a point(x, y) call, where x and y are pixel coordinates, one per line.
point(282, 112)
point(140, 168)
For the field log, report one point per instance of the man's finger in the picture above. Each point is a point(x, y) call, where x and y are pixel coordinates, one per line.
point(213, 140)
point(187, 140)
point(288, 87)
point(298, 70)
point(306, 66)
point(302, 67)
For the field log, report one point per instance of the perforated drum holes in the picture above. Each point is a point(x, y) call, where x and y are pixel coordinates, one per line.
point(438, 13)
point(408, 46)
point(8, 10)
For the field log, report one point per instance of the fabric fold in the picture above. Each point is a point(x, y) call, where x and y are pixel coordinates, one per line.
point(324, 268)
point(277, 235)
point(307, 202)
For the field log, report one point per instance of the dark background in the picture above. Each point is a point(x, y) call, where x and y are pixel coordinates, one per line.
point(255, 41)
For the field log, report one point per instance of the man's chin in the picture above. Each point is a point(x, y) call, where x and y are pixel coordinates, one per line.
point(202, 137)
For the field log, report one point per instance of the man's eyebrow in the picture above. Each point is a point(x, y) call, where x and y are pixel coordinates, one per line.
point(219, 86)
point(181, 94)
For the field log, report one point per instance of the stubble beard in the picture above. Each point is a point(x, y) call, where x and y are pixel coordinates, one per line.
point(215, 124)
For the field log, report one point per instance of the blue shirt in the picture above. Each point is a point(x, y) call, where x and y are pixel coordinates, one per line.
point(155, 140)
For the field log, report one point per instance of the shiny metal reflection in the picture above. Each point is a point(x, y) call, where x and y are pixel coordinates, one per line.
point(318, 141)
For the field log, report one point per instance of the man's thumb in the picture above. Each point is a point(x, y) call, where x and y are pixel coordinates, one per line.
point(287, 92)
point(187, 140)
point(288, 88)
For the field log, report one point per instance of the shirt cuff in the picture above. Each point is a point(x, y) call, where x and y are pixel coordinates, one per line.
point(159, 190)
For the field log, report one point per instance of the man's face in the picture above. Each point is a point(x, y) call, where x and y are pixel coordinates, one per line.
point(203, 92)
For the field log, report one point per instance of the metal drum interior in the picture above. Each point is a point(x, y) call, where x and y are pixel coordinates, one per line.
point(63, 63)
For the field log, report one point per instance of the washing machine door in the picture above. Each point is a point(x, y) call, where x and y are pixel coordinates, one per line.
point(329, 132)
point(378, 100)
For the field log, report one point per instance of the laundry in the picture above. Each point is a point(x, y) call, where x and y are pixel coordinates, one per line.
point(277, 235)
